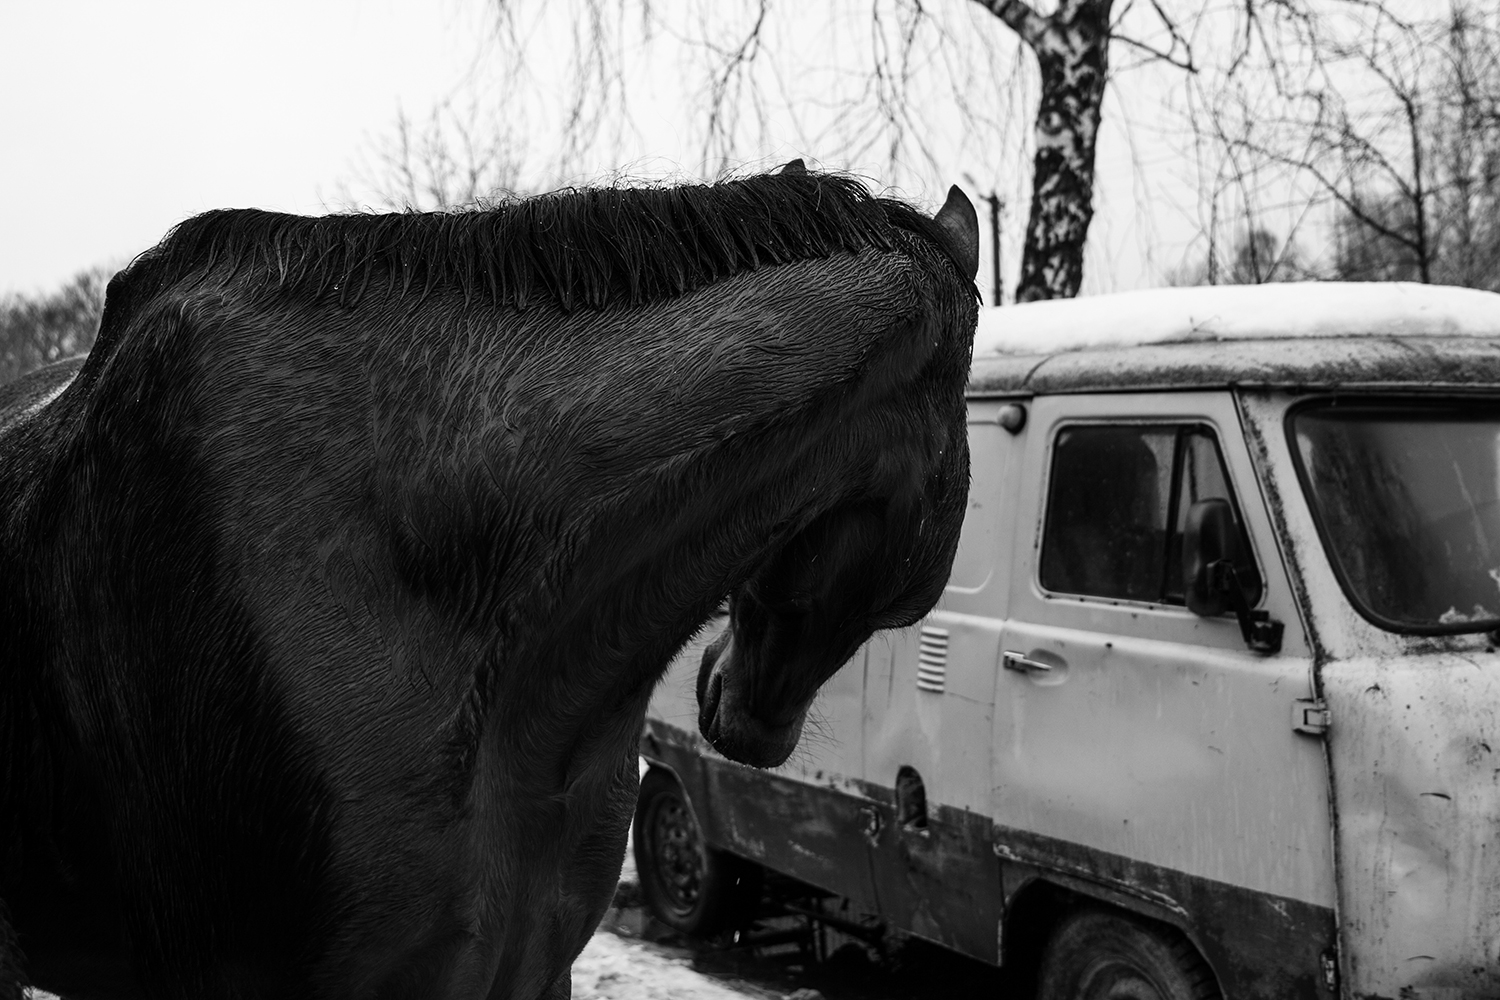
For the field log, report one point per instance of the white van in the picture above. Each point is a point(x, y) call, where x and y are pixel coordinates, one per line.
point(1211, 705)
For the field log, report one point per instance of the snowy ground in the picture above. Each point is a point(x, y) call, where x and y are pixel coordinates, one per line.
point(617, 968)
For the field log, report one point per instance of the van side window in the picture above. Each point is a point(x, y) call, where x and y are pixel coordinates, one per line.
point(1116, 508)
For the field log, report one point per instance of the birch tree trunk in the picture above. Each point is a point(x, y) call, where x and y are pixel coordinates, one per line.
point(1072, 50)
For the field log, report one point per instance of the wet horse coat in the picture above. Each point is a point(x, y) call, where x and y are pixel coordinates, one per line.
point(336, 580)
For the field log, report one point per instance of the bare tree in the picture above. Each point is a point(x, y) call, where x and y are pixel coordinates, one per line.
point(1257, 257)
point(1438, 221)
point(457, 158)
point(888, 94)
point(38, 329)
point(1384, 128)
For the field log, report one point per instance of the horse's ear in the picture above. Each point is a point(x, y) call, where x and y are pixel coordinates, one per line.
point(794, 167)
point(960, 223)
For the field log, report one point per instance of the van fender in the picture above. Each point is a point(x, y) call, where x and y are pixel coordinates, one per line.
point(1135, 901)
point(1041, 898)
point(691, 784)
point(654, 764)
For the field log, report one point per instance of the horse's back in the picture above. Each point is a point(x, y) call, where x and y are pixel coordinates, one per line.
point(24, 397)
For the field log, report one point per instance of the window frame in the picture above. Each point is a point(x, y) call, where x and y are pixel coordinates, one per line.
point(1179, 428)
point(1389, 404)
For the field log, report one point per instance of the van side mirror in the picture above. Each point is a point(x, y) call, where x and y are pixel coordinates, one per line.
point(1211, 584)
point(1209, 537)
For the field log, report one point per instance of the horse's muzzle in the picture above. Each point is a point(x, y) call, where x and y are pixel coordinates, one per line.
point(724, 712)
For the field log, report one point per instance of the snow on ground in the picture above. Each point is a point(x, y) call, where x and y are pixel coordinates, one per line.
point(617, 968)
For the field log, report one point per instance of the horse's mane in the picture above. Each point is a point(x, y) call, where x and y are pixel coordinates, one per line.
point(588, 248)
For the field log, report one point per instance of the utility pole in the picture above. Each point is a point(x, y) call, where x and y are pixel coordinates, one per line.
point(997, 205)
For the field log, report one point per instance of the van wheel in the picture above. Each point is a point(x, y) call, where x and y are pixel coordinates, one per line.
point(686, 884)
point(1097, 955)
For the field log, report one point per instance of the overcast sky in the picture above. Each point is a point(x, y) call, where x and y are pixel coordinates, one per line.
point(119, 120)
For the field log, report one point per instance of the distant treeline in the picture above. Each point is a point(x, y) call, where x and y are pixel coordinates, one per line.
point(37, 330)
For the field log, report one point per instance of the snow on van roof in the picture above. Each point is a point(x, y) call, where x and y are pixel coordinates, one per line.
point(1237, 312)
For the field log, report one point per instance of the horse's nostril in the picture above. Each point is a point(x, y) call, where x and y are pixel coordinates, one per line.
point(706, 667)
point(708, 702)
point(710, 692)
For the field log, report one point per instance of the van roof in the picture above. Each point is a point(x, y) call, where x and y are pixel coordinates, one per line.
point(1314, 334)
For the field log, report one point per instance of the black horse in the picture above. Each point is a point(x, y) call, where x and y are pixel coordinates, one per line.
point(335, 581)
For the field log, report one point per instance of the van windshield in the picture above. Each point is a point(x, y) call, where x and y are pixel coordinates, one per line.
point(1407, 498)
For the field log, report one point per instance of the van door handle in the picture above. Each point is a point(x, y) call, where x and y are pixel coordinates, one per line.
point(1023, 664)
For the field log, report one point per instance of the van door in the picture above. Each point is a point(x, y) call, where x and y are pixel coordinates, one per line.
point(1141, 753)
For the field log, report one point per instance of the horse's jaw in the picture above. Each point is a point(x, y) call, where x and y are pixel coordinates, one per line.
point(726, 717)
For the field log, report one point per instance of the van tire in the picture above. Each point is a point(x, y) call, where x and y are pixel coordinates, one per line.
point(1099, 955)
point(686, 884)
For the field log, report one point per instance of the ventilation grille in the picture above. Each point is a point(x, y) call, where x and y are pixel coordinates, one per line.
point(932, 660)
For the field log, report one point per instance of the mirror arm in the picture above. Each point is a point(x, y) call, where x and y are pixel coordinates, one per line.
point(1260, 632)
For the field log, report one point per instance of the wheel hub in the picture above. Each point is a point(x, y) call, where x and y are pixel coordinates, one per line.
point(679, 853)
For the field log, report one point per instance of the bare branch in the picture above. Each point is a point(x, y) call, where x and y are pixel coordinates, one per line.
point(727, 81)
point(1157, 55)
point(1179, 43)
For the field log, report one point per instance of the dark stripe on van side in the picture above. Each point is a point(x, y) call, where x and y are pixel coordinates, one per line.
point(1260, 945)
point(941, 883)
point(812, 834)
point(950, 883)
